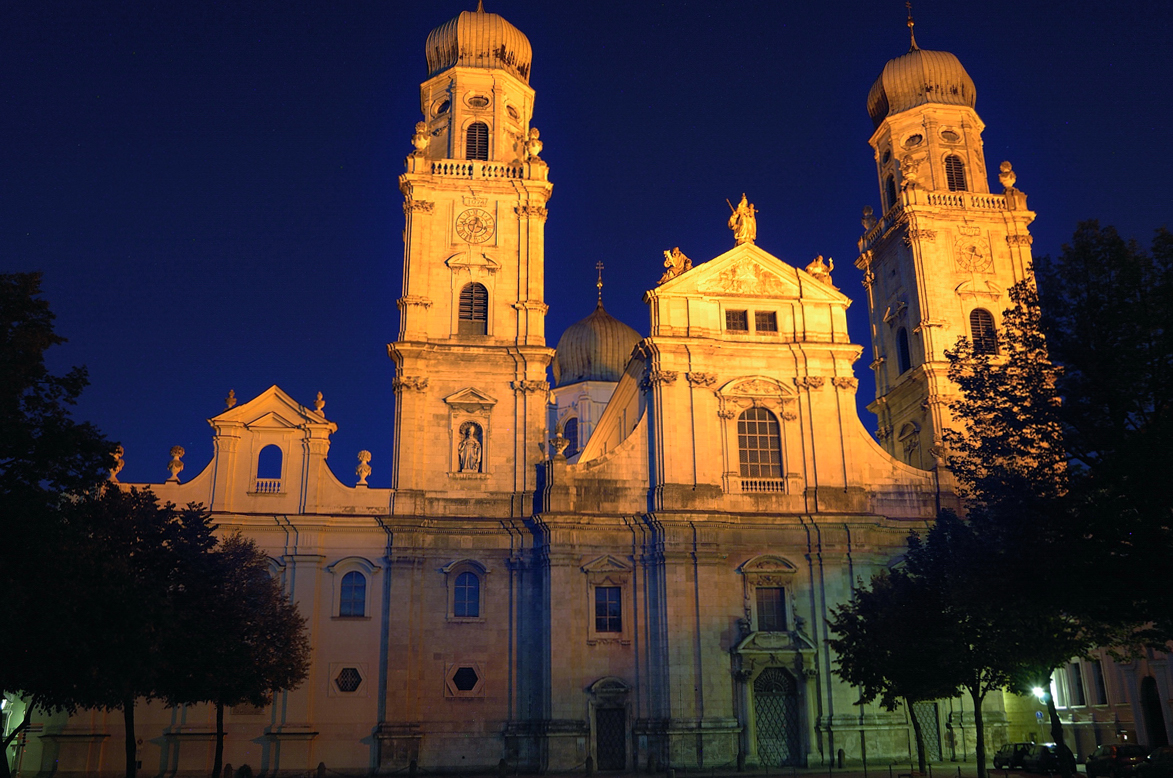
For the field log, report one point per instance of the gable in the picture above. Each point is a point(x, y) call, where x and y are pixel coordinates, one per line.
point(273, 408)
point(748, 271)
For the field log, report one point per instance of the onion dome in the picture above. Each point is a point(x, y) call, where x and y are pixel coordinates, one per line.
point(476, 39)
point(594, 349)
point(917, 78)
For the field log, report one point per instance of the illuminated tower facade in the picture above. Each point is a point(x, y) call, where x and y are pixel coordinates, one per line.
point(471, 355)
point(939, 261)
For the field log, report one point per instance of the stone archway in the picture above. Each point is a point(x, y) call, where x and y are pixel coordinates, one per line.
point(777, 718)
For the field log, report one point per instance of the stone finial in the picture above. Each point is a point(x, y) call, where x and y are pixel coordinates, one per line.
point(559, 443)
point(869, 218)
point(675, 263)
point(364, 469)
point(118, 453)
point(175, 466)
point(1007, 177)
point(743, 221)
point(821, 271)
point(230, 400)
point(319, 403)
point(420, 139)
point(533, 146)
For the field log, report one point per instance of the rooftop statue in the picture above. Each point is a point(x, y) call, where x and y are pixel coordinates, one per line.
point(821, 271)
point(675, 263)
point(743, 222)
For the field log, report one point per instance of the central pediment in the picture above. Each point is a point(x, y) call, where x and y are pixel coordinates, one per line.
point(748, 271)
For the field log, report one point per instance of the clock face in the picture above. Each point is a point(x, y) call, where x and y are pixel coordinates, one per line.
point(475, 225)
point(974, 256)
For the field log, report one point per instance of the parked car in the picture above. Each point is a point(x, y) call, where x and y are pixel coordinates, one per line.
point(1115, 760)
point(1158, 764)
point(1041, 758)
point(1009, 756)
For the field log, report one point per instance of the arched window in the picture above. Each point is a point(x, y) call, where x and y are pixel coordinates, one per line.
point(570, 432)
point(474, 310)
point(903, 352)
point(269, 470)
point(353, 599)
point(466, 601)
point(955, 174)
point(890, 190)
point(982, 332)
point(476, 141)
point(759, 444)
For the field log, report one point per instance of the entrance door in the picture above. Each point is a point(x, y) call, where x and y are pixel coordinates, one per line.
point(611, 738)
point(775, 695)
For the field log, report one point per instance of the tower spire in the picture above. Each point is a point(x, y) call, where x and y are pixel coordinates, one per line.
point(911, 24)
point(599, 283)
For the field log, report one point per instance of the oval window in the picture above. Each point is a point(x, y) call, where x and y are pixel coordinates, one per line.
point(914, 140)
point(949, 136)
point(478, 102)
point(443, 107)
point(513, 114)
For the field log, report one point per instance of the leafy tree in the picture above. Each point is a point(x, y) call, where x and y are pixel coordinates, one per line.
point(132, 559)
point(893, 645)
point(253, 642)
point(1108, 315)
point(44, 455)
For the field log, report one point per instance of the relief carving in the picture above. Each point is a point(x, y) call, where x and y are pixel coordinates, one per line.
point(658, 377)
point(745, 277)
point(531, 211)
point(412, 383)
point(1019, 240)
point(701, 379)
point(810, 382)
point(423, 206)
point(845, 382)
point(529, 387)
point(928, 236)
point(726, 413)
point(413, 299)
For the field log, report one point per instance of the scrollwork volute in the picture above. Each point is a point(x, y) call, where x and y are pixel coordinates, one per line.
point(658, 377)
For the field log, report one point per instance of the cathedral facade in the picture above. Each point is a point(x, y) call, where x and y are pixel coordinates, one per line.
point(635, 564)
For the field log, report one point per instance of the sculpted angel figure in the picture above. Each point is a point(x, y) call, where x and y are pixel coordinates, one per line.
point(469, 450)
point(743, 222)
point(675, 263)
point(820, 271)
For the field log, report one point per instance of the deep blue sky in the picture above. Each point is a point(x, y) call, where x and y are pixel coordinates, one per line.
point(210, 188)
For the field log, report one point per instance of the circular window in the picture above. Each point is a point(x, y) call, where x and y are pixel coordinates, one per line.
point(950, 136)
point(513, 114)
point(887, 156)
point(913, 140)
point(443, 107)
point(478, 102)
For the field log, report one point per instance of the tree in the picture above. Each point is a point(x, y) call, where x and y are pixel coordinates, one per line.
point(132, 560)
point(892, 644)
point(253, 640)
point(44, 456)
point(1108, 315)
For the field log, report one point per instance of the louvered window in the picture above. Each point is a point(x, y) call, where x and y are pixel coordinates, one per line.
point(982, 332)
point(903, 352)
point(474, 310)
point(476, 143)
point(955, 174)
point(759, 444)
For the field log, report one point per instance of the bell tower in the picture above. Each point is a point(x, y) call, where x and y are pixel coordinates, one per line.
point(471, 353)
point(939, 261)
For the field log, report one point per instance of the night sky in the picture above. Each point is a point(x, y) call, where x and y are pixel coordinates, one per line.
point(210, 187)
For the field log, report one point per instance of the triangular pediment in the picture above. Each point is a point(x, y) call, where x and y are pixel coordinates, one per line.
point(273, 408)
point(749, 271)
point(606, 564)
point(470, 399)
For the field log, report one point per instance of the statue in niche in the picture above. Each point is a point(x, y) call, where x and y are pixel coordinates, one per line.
point(743, 222)
point(675, 263)
point(469, 449)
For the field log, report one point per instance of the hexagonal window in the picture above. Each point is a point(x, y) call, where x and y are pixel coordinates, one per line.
point(349, 680)
point(465, 679)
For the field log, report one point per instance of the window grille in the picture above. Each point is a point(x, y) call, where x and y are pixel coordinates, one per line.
point(955, 174)
point(765, 321)
point(467, 600)
point(982, 332)
point(737, 320)
point(903, 352)
point(771, 602)
point(353, 600)
point(608, 609)
point(348, 680)
point(476, 143)
point(759, 444)
point(474, 310)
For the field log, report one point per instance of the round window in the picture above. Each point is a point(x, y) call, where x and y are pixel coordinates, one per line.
point(913, 140)
point(443, 107)
point(478, 102)
point(950, 136)
point(513, 114)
